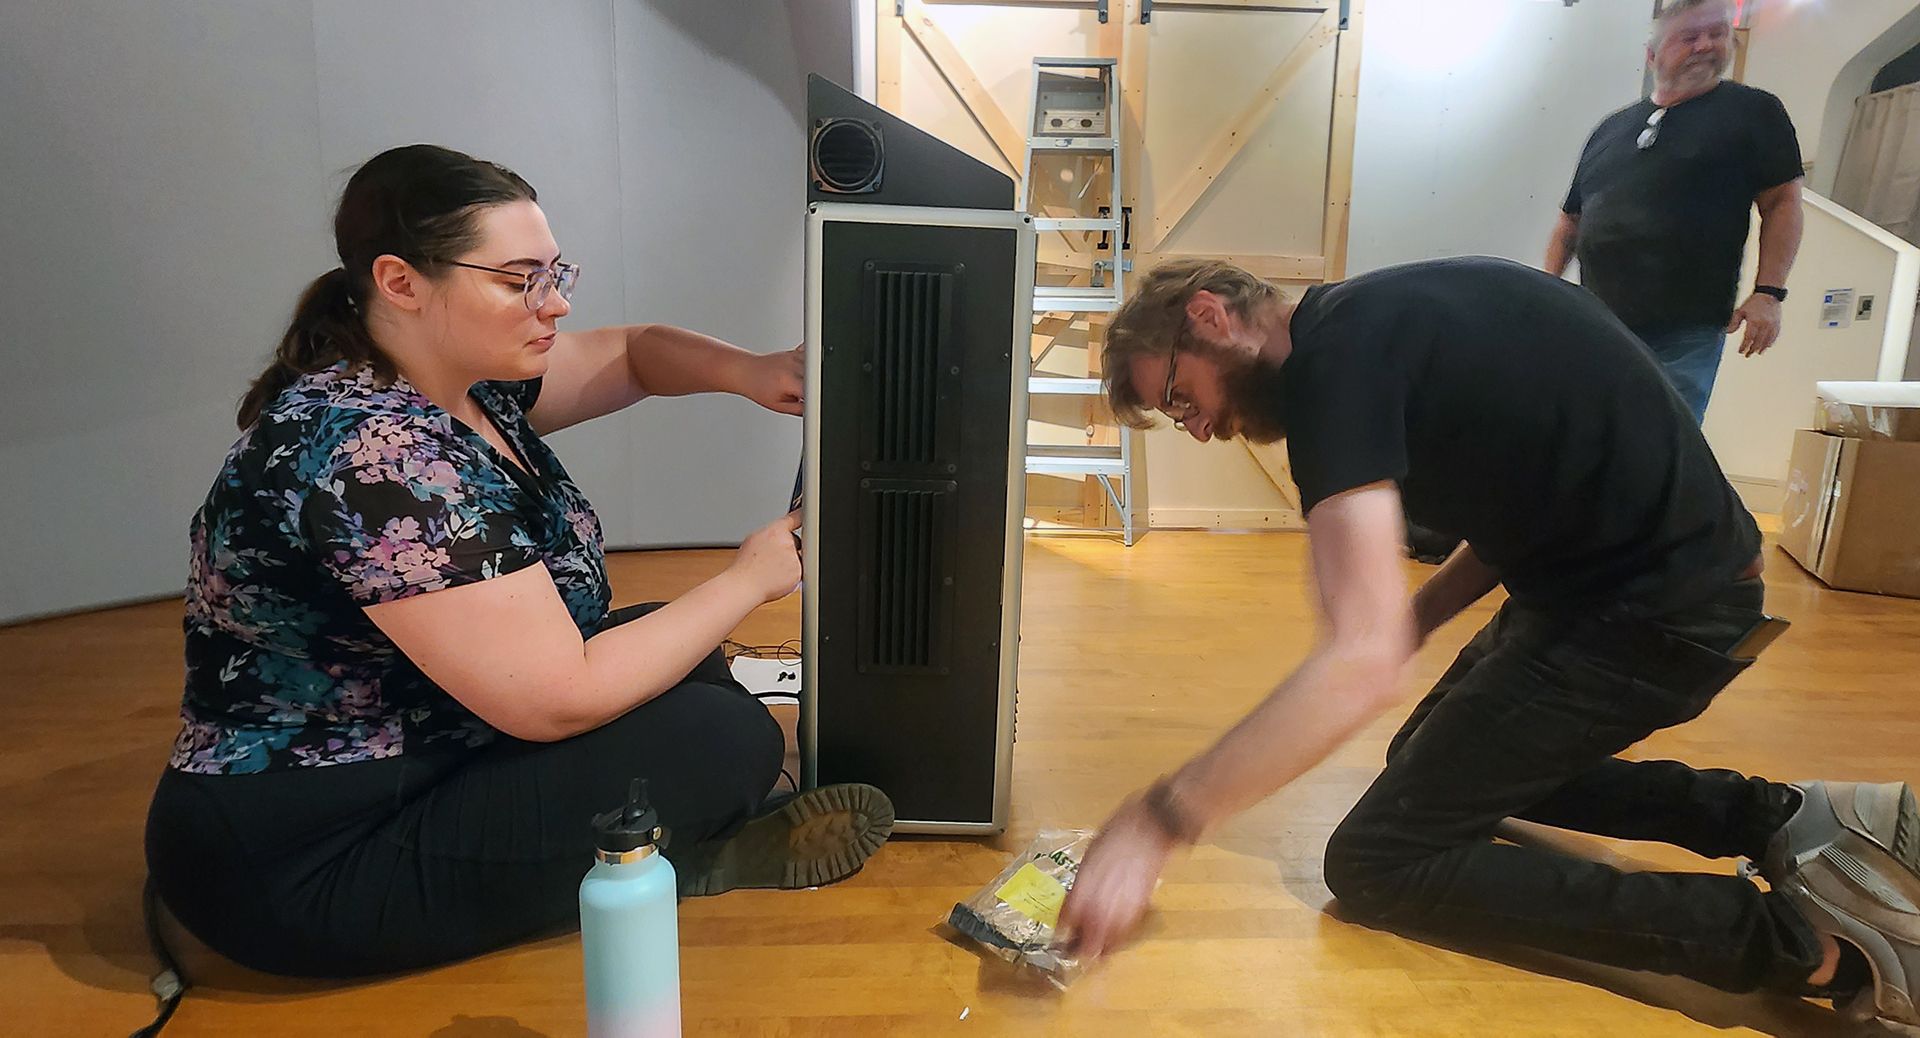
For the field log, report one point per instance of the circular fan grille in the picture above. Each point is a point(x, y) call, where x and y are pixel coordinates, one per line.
point(846, 155)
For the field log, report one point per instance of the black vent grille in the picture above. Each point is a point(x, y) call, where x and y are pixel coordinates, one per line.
point(904, 628)
point(909, 320)
point(847, 156)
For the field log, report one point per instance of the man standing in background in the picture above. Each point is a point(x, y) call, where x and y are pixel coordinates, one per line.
point(1658, 213)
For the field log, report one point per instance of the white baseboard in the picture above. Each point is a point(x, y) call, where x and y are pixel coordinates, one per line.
point(1224, 519)
point(1759, 495)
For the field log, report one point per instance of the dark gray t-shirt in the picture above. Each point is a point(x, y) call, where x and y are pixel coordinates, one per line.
point(1663, 229)
point(1515, 412)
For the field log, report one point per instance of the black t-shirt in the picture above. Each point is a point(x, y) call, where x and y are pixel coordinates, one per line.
point(1663, 229)
point(1515, 412)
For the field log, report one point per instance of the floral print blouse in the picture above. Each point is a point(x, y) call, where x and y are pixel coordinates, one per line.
point(345, 494)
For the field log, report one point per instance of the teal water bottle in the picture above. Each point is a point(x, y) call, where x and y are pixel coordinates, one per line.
point(629, 930)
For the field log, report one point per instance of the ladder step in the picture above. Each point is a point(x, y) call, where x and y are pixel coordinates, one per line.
point(1075, 62)
point(1099, 145)
point(1053, 460)
point(1048, 385)
point(1096, 223)
point(1081, 300)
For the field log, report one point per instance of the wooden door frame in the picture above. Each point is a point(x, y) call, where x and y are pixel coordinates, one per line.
point(1126, 36)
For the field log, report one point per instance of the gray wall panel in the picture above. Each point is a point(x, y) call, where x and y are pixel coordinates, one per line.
point(169, 173)
point(162, 205)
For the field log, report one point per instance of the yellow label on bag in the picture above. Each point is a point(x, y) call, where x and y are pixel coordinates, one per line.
point(1033, 894)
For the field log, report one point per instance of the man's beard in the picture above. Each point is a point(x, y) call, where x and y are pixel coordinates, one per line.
point(1252, 408)
point(1711, 71)
point(1721, 65)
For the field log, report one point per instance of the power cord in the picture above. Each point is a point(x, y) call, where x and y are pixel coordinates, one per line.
point(786, 652)
point(169, 985)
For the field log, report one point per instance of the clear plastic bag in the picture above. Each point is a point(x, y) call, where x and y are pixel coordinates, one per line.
point(1014, 916)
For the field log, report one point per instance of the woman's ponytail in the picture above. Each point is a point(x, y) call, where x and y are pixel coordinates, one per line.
point(420, 203)
point(326, 328)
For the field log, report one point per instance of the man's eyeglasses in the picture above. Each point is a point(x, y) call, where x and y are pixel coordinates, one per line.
point(1652, 132)
point(538, 283)
point(1178, 410)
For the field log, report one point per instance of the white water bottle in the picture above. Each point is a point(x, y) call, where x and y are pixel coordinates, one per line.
point(629, 926)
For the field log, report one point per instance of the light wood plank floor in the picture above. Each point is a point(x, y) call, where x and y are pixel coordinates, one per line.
point(1132, 659)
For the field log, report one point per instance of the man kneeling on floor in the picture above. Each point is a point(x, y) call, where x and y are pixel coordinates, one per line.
point(1495, 403)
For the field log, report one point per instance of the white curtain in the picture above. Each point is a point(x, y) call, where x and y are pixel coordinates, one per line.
point(1879, 173)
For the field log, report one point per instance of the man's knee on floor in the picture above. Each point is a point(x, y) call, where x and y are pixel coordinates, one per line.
point(1366, 869)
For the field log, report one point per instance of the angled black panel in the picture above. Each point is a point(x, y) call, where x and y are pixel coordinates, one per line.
point(858, 152)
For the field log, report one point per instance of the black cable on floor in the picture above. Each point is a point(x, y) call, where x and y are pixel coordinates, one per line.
point(168, 985)
point(786, 652)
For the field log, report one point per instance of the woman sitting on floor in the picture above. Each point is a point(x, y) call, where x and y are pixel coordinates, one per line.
point(405, 694)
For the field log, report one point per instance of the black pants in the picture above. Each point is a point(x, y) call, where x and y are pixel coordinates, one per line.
point(1526, 724)
point(367, 868)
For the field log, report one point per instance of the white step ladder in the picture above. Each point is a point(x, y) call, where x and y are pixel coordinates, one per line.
point(1076, 111)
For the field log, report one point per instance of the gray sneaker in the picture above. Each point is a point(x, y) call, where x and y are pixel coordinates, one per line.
point(1849, 859)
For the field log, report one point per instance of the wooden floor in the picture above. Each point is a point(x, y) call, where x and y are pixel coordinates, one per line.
point(1131, 660)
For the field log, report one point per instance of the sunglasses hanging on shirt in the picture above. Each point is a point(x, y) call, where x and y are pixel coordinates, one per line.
point(1652, 132)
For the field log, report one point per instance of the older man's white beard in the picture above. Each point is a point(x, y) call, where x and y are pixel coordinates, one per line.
point(1711, 70)
point(1721, 65)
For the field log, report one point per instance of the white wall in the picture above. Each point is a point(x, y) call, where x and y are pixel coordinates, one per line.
point(1471, 118)
point(1758, 402)
point(1820, 55)
point(168, 180)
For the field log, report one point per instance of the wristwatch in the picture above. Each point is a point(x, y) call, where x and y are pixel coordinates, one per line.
point(1771, 290)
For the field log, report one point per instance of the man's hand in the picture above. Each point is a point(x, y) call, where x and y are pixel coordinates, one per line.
point(1115, 882)
point(1761, 314)
point(1351, 676)
point(776, 381)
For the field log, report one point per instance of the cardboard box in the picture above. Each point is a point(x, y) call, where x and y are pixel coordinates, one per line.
point(1852, 512)
point(1869, 410)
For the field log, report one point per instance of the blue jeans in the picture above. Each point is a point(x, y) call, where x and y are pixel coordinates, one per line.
point(1690, 354)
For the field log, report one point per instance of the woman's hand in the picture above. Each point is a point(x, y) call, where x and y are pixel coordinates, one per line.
point(776, 381)
point(769, 559)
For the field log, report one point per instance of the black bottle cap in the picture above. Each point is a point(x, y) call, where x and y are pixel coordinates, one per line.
point(629, 827)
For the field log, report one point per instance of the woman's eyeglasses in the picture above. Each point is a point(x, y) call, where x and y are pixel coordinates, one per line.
point(538, 283)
